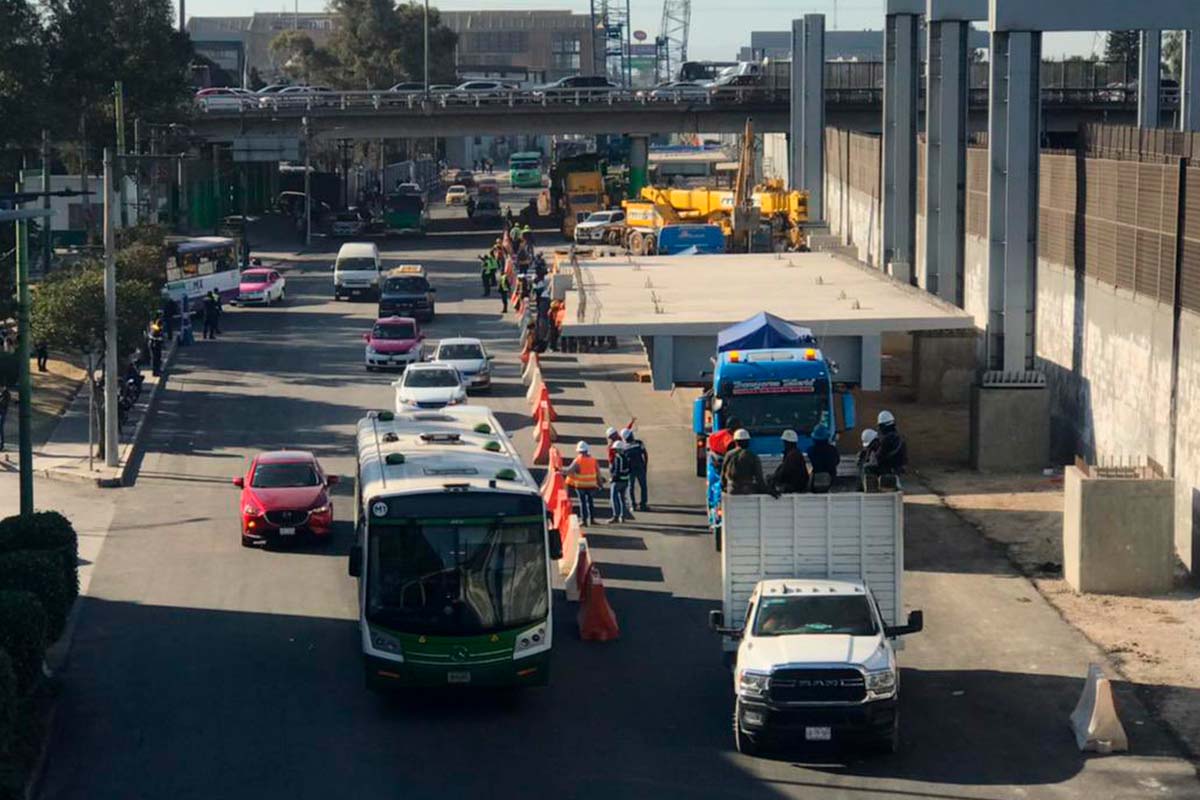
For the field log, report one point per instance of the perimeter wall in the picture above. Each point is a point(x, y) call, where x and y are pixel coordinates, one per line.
point(1118, 319)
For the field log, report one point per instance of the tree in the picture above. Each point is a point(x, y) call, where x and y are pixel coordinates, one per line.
point(21, 70)
point(1172, 53)
point(379, 43)
point(442, 43)
point(1122, 46)
point(68, 311)
point(302, 60)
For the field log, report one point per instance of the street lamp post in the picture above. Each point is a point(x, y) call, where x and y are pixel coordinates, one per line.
point(427, 47)
point(111, 410)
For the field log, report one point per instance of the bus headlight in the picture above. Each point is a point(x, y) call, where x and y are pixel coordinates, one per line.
point(386, 643)
point(531, 641)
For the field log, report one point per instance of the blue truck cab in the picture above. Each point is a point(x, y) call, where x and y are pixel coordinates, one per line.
point(770, 376)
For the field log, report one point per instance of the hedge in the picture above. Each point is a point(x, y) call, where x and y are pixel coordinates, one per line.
point(45, 530)
point(39, 572)
point(22, 637)
point(8, 701)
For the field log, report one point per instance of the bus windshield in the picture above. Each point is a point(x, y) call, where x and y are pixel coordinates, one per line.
point(774, 413)
point(525, 161)
point(405, 203)
point(451, 578)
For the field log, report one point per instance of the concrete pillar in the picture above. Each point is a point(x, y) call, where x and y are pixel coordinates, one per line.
point(1014, 124)
point(1149, 72)
point(1189, 84)
point(945, 158)
point(872, 363)
point(900, 72)
point(639, 162)
point(806, 156)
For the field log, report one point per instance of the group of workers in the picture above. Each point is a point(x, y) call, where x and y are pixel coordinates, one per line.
point(884, 455)
point(628, 463)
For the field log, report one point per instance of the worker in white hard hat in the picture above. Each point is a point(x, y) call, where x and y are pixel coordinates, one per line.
point(583, 479)
point(742, 472)
point(868, 456)
point(791, 476)
point(893, 450)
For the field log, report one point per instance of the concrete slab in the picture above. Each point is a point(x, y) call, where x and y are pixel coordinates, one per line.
point(1010, 428)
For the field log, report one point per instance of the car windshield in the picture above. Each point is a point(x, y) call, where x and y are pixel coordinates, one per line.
point(430, 378)
point(256, 277)
point(451, 578)
point(600, 216)
point(284, 475)
point(353, 264)
point(763, 408)
point(394, 330)
point(405, 285)
point(849, 615)
point(460, 352)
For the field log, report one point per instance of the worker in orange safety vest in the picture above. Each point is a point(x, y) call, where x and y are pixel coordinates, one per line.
point(583, 479)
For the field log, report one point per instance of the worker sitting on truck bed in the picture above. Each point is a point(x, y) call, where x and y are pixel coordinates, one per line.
point(742, 472)
point(893, 450)
point(791, 476)
point(824, 457)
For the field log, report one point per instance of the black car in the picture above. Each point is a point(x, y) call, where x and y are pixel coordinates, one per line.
point(585, 84)
point(406, 292)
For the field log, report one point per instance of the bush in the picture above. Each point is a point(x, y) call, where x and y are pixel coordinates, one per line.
point(8, 700)
point(45, 530)
point(22, 638)
point(39, 572)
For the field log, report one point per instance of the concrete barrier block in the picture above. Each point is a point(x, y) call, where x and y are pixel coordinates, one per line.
point(1010, 428)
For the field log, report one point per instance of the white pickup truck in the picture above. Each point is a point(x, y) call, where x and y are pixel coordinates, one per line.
point(810, 609)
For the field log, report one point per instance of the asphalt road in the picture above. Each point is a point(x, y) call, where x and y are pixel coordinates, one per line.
point(203, 670)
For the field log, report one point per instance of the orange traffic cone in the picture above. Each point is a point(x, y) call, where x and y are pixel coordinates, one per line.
point(597, 622)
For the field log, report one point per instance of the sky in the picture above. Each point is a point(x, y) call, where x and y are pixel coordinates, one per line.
point(719, 27)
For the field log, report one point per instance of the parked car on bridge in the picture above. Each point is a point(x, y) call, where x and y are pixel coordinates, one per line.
point(285, 494)
point(223, 98)
point(477, 90)
point(408, 87)
point(300, 96)
point(576, 84)
point(677, 90)
point(272, 88)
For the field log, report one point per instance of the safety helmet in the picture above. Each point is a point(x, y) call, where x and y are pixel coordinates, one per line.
point(789, 436)
point(582, 447)
point(868, 436)
point(618, 445)
point(610, 432)
point(741, 435)
point(627, 434)
point(821, 433)
point(885, 418)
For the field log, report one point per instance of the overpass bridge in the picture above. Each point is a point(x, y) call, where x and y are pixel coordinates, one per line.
point(387, 115)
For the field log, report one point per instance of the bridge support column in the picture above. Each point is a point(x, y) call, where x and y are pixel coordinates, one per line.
point(946, 101)
point(639, 162)
point(1014, 111)
point(900, 71)
point(1189, 84)
point(1149, 94)
point(806, 167)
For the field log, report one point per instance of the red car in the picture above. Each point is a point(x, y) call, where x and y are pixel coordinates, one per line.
point(285, 494)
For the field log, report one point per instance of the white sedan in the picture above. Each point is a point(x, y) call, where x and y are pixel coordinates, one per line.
point(429, 386)
point(469, 357)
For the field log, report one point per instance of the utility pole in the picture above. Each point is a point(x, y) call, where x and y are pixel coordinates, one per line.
point(47, 248)
point(307, 187)
point(119, 111)
point(426, 48)
point(111, 378)
point(25, 398)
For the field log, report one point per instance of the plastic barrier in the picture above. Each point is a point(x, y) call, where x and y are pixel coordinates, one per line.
point(554, 483)
point(578, 570)
point(544, 397)
point(556, 462)
point(570, 544)
point(546, 430)
point(541, 451)
point(597, 621)
point(525, 348)
point(527, 374)
point(535, 386)
point(1094, 720)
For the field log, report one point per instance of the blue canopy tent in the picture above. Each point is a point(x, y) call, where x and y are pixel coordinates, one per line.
point(762, 331)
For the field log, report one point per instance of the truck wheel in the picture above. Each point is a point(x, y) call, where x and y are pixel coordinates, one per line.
point(889, 742)
point(746, 744)
point(636, 244)
point(651, 246)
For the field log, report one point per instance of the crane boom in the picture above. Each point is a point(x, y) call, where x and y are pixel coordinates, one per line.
point(673, 33)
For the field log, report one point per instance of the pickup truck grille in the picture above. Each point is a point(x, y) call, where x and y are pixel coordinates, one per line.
point(818, 686)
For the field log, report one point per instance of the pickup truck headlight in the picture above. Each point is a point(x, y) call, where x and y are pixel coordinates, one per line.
point(753, 684)
point(881, 684)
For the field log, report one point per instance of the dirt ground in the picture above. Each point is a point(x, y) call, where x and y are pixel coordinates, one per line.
point(1153, 642)
point(52, 393)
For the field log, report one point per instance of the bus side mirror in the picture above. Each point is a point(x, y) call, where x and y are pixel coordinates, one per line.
point(716, 619)
point(848, 421)
point(356, 561)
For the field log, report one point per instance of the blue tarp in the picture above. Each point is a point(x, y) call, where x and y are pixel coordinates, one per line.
point(762, 331)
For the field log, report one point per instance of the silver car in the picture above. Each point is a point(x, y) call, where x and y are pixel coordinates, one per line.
point(469, 357)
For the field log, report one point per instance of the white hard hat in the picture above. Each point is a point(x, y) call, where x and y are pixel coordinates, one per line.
point(868, 436)
point(618, 445)
point(741, 435)
point(610, 432)
point(626, 434)
point(885, 418)
point(582, 447)
point(789, 436)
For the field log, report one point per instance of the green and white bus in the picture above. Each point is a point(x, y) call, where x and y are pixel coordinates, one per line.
point(452, 554)
point(525, 169)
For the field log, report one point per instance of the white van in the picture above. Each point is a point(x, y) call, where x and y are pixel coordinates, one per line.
point(356, 271)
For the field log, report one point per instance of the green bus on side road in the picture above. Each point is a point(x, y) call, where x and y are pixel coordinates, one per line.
point(525, 169)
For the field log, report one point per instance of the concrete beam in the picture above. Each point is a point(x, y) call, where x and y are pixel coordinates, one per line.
point(901, 69)
point(1149, 75)
point(1013, 138)
point(1074, 15)
point(946, 157)
point(956, 10)
point(808, 139)
point(796, 110)
point(1189, 85)
point(904, 7)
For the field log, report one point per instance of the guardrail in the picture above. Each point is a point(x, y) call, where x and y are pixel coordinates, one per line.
point(692, 99)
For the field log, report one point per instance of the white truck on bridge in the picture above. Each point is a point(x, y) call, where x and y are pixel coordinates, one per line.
point(811, 605)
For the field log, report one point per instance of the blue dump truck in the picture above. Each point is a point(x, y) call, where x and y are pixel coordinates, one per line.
point(770, 376)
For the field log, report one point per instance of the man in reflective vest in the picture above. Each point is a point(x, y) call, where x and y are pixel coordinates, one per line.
point(583, 478)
